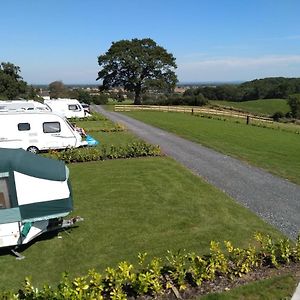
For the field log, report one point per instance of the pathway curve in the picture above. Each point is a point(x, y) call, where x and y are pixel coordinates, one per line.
point(274, 199)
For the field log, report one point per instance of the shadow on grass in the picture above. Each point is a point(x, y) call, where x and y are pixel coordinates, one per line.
point(43, 237)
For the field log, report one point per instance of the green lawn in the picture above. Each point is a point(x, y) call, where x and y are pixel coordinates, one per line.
point(260, 107)
point(276, 288)
point(274, 150)
point(132, 206)
point(107, 138)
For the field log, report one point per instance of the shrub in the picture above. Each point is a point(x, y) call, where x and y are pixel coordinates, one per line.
point(277, 116)
point(154, 278)
point(105, 152)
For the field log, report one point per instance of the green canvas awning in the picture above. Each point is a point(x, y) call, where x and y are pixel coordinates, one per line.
point(31, 164)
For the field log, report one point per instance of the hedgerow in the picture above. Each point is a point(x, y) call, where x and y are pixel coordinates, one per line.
point(153, 278)
point(138, 149)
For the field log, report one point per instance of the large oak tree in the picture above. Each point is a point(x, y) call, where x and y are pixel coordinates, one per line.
point(137, 65)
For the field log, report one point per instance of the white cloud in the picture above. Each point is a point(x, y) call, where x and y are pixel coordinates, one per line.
point(239, 68)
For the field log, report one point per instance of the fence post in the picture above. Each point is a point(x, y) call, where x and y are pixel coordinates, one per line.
point(248, 120)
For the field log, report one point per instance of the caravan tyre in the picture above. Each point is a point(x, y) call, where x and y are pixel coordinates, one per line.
point(33, 149)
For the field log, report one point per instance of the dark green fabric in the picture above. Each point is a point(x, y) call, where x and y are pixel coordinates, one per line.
point(10, 215)
point(45, 209)
point(31, 164)
point(12, 190)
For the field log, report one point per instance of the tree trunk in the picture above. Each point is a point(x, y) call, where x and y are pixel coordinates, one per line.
point(137, 96)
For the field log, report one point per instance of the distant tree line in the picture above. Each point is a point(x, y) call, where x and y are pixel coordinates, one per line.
point(267, 88)
point(57, 89)
point(174, 99)
point(12, 85)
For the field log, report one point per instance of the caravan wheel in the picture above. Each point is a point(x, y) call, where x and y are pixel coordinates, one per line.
point(33, 149)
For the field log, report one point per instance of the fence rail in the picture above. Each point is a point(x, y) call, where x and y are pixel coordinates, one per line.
point(191, 110)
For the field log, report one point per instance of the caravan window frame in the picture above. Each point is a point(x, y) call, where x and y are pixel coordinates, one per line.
point(23, 126)
point(5, 201)
point(74, 107)
point(51, 129)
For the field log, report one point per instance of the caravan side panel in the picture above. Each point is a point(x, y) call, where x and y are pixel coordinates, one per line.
point(9, 234)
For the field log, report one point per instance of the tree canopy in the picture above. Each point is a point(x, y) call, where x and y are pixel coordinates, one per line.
point(137, 65)
point(294, 103)
point(11, 84)
point(58, 90)
point(266, 88)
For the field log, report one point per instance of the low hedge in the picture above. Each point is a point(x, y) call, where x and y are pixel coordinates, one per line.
point(114, 128)
point(153, 278)
point(92, 117)
point(132, 150)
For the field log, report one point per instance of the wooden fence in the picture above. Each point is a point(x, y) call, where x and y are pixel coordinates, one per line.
point(191, 110)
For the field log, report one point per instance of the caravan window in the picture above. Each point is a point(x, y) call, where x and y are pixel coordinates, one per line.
point(23, 126)
point(74, 107)
point(4, 195)
point(51, 127)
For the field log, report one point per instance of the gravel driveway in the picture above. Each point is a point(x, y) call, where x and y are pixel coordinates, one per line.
point(274, 199)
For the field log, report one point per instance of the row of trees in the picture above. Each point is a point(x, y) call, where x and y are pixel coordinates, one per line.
point(267, 88)
point(12, 85)
point(57, 89)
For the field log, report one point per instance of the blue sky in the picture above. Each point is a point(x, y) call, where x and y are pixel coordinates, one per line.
point(212, 40)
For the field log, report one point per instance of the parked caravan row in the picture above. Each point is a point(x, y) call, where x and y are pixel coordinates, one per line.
point(69, 108)
point(37, 131)
point(23, 105)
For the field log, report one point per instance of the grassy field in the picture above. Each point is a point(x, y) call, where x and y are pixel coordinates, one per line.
point(94, 128)
point(265, 107)
point(132, 206)
point(277, 288)
point(274, 150)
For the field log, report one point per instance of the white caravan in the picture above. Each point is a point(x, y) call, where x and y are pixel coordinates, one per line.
point(23, 105)
point(37, 131)
point(35, 195)
point(69, 108)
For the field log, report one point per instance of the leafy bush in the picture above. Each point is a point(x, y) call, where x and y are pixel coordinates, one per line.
point(294, 103)
point(92, 117)
point(105, 152)
point(115, 128)
point(277, 116)
point(181, 271)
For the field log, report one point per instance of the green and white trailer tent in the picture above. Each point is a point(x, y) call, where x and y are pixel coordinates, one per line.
point(35, 195)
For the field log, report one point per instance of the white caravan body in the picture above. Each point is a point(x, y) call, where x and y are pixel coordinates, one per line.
point(35, 194)
point(23, 105)
point(37, 131)
point(69, 108)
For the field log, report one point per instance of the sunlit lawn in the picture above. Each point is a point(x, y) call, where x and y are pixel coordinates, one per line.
point(131, 206)
point(274, 150)
point(261, 107)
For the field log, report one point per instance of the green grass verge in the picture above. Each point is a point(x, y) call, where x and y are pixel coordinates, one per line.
point(274, 150)
point(107, 138)
point(265, 107)
point(131, 206)
point(279, 287)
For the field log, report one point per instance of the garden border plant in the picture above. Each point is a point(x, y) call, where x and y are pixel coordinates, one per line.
point(182, 271)
point(138, 149)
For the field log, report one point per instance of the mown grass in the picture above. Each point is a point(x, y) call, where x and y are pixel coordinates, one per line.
point(95, 129)
point(131, 206)
point(274, 150)
point(265, 107)
point(276, 288)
